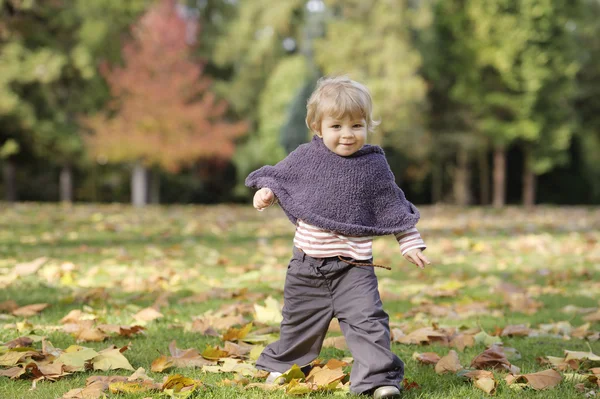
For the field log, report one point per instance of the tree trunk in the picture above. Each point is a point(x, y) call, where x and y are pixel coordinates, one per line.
point(9, 176)
point(529, 182)
point(461, 187)
point(139, 184)
point(436, 181)
point(484, 177)
point(154, 189)
point(66, 184)
point(499, 177)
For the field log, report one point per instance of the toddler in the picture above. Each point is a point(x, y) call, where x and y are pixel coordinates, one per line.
point(339, 192)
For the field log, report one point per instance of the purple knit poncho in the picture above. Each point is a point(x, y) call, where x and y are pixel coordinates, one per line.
point(354, 196)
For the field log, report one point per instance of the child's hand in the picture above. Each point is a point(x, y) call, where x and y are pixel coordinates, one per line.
point(417, 257)
point(263, 198)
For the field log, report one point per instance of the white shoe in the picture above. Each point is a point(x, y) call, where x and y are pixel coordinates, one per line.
point(386, 392)
point(273, 378)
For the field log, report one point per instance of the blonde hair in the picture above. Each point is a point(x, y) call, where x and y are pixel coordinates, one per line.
point(339, 96)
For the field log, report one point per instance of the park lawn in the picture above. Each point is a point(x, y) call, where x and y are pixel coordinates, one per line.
point(491, 269)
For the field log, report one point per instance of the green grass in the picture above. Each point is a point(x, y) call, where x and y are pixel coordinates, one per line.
point(135, 255)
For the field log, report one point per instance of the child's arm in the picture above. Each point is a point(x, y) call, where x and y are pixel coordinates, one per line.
point(263, 199)
point(412, 246)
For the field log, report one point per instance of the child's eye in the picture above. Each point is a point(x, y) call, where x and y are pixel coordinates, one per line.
point(336, 126)
point(358, 125)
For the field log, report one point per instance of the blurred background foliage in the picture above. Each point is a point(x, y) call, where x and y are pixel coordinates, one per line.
point(168, 101)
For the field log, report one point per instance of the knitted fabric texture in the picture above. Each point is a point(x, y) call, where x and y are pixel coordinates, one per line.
point(354, 196)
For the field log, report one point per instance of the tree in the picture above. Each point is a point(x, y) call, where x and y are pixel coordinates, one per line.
point(49, 75)
point(163, 111)
point(512, 70)
point(588, 95)
point(371, 41)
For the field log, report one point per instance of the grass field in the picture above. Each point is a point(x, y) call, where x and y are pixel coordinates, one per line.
point(490, 269)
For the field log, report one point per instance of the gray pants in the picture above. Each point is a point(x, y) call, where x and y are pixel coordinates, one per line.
point(318, 289)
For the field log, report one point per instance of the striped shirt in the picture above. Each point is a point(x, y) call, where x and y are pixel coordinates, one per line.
point(320, 243)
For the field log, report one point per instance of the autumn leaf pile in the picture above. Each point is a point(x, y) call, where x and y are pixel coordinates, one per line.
point(180, 302)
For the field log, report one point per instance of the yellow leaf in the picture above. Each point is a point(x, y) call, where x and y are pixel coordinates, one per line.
point(236, 334)
point(161, 364)
point(214, 353)
point(486, 384)
point(177, 382)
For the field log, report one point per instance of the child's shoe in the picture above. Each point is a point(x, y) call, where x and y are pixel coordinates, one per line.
point(273, 378)
point(386, 392)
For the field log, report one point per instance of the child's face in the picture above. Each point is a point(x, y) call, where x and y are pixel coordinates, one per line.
point(344, 136)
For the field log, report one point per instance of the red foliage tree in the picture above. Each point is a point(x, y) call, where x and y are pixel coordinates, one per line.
point(163, 112)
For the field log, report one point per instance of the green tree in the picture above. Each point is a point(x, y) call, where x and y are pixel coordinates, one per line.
point(371, 41)
point(48, 58)
point(513, 69)
point(588, 95)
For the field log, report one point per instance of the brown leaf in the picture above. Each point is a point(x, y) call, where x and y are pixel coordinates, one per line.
point(30, 310)
point(424, 336)
point(236, 350)
point(21, 342)
point(493, 357)
point(541, 380)
point(448, 363)
point(147, 314)
point(27, 268)
point(427, 357)
point(333, 364)
point(462, 341)
point(8, 306)
point(519, 330)
point(594, 317)
point(90, 335)
point(324, 376)
point(13, 372)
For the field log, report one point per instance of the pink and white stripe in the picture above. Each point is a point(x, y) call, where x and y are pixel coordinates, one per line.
point(319, 243)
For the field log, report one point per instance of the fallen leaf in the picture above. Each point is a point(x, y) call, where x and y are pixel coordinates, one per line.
point(13, 372)
point(30, 310)
point(540, 380)
point(27, 268)
point(148, 314)
point(270, 313)
point(236, 350)
point(110, 359)
point(427, 357)
point(236, 334)
point(75, 357)
point(161, 364)
point(213, 353)
point(177, 383)
point(449, 363)
point(483, 338)
point(492, 357)
point(90, 335)
point(520, 330)
point(581, 356)
point(324, 376)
